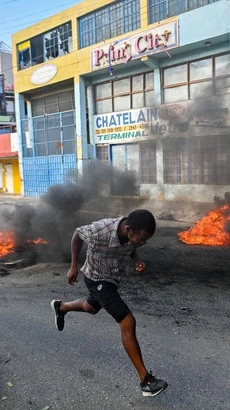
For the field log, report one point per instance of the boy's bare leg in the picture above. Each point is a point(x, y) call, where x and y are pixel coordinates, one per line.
point(131, 345)
point(78, 305)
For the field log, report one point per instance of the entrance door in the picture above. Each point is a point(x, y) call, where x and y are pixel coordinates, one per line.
point(9, 178)
point(126, 159)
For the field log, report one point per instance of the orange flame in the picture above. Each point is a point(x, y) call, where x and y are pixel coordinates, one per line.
point(8, 243)
point(38, 241)
point(211, 230)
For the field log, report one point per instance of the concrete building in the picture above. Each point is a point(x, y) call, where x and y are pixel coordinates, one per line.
point(7, 110)
point(9, 165)
point(142, 84)
point(10, 182)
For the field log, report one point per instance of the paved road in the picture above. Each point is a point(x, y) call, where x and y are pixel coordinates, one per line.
point(183, 328)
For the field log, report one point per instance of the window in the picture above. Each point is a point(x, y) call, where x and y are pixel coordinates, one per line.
point(24, 55)
point(53, 103)
point(58, 42)
point(2, 96)
point(148, 173)
point(197, 79)
point(102, 153)
point(120, 95)
point(204, 160)
point(110, 21)
point(45, 47)
point(10, 107)
point(53, 124)
point(54, 134)
point(162, 9)
point(222, 74)
point(2, 106)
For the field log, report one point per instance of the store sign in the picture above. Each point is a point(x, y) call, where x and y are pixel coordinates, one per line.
point(9, 88)
point(44, 74)
point(123, 126)
point(171, 120)
point(151, 41)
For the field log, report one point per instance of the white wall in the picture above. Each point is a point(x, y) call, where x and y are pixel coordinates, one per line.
point(196, 193)
point(14, 141)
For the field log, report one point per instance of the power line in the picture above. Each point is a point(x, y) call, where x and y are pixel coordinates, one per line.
point(9, 1)
point(93, 45)
point(28, 23)
point(67, 65)
point(53, 15)
point(32, 14)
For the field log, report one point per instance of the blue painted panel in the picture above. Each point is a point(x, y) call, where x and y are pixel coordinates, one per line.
point(205, 22)
point(42, 172)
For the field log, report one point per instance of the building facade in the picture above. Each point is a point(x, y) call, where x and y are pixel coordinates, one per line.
point(10, 182)
point(9, 164)
point(7, 110)
point(141, 84)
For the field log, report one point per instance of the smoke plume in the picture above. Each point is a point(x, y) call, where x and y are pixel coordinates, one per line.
point(58, 212)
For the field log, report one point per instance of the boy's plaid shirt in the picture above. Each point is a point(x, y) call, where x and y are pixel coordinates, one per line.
point(106, 258)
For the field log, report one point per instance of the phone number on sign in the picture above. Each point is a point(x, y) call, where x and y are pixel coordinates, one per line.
point(120, 129)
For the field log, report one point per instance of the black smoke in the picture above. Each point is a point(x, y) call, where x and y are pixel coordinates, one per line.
point(58, 212)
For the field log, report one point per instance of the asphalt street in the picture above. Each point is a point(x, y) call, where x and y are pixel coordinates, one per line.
point(182, 309)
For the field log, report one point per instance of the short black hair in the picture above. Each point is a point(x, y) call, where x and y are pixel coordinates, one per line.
point(141, 219)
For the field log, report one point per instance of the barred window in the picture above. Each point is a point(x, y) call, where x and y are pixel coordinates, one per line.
point(204, 160)
point(60, 102)
point(120, 95)
point(58, 41)
point(102, 153)
point(53, 124)
point(148, 173)
point(110, 21)
point(197, 79)
point(162, 9)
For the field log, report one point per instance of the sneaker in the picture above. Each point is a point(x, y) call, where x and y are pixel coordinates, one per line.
point(59, 316)
point(152, 386)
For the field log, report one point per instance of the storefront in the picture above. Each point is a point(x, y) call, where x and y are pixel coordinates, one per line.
point(151, 98)
point(10, 181)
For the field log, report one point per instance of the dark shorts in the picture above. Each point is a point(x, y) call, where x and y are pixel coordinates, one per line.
point(104, 294)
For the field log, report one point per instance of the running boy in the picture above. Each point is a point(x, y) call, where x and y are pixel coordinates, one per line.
point(110, 242)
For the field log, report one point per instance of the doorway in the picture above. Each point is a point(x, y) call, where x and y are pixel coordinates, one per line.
point(126, 159)
point(9, 178)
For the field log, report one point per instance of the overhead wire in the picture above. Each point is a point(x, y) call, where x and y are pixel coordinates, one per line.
point(77, 40)
point(39, 12)
point(67, 14)
point(8, 1)
point(79, 49)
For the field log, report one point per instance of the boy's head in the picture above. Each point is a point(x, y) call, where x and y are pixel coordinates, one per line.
point(140, 226)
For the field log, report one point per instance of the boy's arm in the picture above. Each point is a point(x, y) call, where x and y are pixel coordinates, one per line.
point(76, 245)
point(140, 266)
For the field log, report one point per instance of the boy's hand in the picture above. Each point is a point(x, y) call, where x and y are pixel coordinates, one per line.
point(140, 266)
point(72, 275)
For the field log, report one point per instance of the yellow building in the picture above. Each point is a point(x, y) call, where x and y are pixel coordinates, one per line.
point(10, 182)
point(9, 176)
point(133, 82)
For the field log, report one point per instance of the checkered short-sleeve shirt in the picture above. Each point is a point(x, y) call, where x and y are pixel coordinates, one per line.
point(106, 258)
